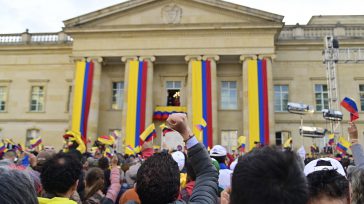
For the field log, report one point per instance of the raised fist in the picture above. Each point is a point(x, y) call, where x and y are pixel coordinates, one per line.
point(179, 123)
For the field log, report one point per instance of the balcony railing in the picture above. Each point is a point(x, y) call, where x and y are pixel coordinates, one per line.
point(312, 32)
point(35, 38)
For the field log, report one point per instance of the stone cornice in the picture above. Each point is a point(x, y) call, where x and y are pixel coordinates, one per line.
point(133, 4)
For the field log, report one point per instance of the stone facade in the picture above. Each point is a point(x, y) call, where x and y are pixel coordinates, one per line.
point(168, 34)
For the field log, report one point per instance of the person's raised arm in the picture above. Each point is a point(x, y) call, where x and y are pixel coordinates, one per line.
point(206, 186)
point(356, 148)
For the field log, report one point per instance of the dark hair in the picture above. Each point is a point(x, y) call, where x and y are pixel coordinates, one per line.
point(94, 181)
point(327, 183)
point(268, 175)
point(104, 163)
point(158, 179)
point(59, 173)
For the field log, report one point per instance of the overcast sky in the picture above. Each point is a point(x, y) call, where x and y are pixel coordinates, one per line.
point(47, 15)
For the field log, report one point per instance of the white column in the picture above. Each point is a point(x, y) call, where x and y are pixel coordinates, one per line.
point(189, 59)
point(245, 107)
point(215, 134)
point(93, 118)
point(272, 132)
point(126, 60)
point(149, 105)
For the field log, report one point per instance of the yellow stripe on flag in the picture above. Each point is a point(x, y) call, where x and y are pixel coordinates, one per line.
point(147, 132)
point(253, 102)
point(131, 105)
point(196, 97)
point(78, 95)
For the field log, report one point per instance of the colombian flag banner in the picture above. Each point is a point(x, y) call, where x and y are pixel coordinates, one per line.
point(149, 134)
point(202, 100)
point(258, 102)
point(82, 97)
point(137, 93)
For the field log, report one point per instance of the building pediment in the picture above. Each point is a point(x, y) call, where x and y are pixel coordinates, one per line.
point(172, 14)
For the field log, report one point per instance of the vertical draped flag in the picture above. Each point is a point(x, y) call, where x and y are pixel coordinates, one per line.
point(350, 105)
point(202, 100)
point(137, 93)
point(258, 102)
point(82, 97)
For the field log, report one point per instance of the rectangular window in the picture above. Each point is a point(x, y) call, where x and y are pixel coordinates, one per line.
point(31, 134)
point(361, 93)
point(229, 95)
point(69, 95)
point(117, 95)
point(229, 139)
point(3, 98)
point(280, 98)
point(37, 99)
point(321, 97)
point(173, 93)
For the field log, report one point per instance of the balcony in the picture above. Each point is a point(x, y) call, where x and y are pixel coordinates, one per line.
point(27, 38)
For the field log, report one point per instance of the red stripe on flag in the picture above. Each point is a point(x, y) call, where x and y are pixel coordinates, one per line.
point(88, 100)
point(143, 97)
point(265, 102)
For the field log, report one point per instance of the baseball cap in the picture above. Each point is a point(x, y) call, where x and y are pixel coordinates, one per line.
point(324, 164)
point(218, 151)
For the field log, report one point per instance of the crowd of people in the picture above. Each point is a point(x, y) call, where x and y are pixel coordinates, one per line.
point(194, 175)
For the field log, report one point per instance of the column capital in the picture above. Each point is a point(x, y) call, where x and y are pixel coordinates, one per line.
point(246, 57)
point(95, 59)
point(126, 58)
point(267, 56)
point(211, 57)
point(193, 57)
point(148, 58)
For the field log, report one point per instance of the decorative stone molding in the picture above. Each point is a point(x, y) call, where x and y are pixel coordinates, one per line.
point(171, 14)
point(38, 80)
point(5, 81)
point(193, 57)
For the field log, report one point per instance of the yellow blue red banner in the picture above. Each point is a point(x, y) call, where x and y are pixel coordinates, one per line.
point(258, 102)
point(136, 100)
point(82, 97)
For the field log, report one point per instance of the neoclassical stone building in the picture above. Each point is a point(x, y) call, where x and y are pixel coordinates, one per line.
point(37, 69)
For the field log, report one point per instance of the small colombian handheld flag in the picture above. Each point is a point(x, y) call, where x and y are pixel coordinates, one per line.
point(343, 145)
point(331, 139)
point(2, 147)
point(201, 125)
point(35, 142)
point(287, 143)
point(148, 133)
point(165, 129)
point(242, 143)
point(350, 105)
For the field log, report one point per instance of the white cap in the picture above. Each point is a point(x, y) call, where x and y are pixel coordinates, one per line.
point(218, 151)
point(179, 157)
point(332, 165)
